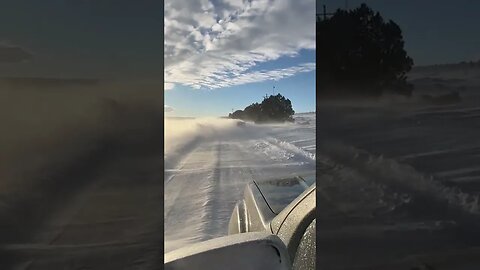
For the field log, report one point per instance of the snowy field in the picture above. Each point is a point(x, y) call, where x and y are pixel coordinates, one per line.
point(80, 177)
point(208, 163)
point(399, 181)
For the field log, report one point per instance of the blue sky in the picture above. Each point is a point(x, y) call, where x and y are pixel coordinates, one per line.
point(300, 89)
point(226, 54)
point(435, 31)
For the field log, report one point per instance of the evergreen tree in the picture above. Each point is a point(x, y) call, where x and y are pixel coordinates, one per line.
point(272, 109)
point(361, 54)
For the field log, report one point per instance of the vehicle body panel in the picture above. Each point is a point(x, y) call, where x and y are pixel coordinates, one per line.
point(294, 220)
point(279, 193)
point(284, 207)
point(258, 250)
point(252, 214)
point(263, 200)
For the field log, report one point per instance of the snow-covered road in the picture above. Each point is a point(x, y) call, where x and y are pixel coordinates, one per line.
point(398, 185)
point(207, 170)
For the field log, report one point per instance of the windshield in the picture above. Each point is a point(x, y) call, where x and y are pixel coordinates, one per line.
point(280, 192)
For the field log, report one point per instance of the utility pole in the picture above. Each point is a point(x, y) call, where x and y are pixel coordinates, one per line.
point(346, 4)
point(325, 14)
point(273, 90)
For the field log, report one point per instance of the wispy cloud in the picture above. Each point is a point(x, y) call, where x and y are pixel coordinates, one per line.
point(215, 44)
point(168, 86)
point(259, 76)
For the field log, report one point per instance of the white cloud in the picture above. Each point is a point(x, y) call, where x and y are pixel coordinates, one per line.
point(167, 108)
point(216, 45)
point(168, 86)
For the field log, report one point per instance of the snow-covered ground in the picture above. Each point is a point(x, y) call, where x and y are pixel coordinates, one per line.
point(208, 163)
point(80, 178)
point(399, 182)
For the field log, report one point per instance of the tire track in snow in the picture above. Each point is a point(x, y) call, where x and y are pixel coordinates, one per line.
point(209, 179)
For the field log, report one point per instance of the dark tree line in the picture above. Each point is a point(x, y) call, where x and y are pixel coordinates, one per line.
point(462, 66)
point(275, 108)
point(360, 54)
